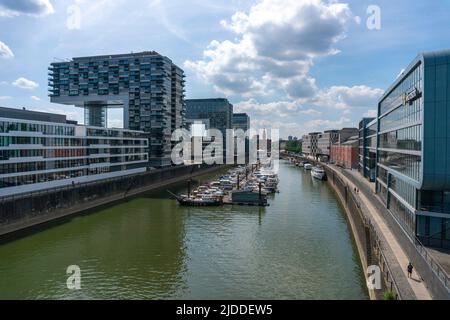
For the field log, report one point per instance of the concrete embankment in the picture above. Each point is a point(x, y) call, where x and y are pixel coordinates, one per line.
point(31, 210)
point(374, 242)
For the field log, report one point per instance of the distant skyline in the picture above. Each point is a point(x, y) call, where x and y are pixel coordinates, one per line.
point(296, 65)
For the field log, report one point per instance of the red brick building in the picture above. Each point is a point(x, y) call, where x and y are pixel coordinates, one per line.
point(345, 154)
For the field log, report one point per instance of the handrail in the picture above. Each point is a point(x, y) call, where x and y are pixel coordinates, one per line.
point(440, 271)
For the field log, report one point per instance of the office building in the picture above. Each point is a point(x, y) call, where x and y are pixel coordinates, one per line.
point(40, 151)
point(146, 85)
point(218, 111)
point(241, 121)
point(413, 176)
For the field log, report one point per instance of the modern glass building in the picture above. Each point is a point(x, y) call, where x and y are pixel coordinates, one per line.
point(367, 148)
point(218, 111)
point(40, 151)
point(241, 121)
point(147, 85)
point(413, 158)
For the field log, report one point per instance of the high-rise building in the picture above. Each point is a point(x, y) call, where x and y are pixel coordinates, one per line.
point(413, 176)
point(42, 150)
point(218, 111)
point(147, 85)
point(241, 121)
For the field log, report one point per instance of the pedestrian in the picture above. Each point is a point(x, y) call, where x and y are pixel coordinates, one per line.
point(410, 270)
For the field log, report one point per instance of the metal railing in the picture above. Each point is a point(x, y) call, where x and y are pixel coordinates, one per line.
point(434, 265)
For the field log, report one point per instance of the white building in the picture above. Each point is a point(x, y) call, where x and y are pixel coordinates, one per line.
point(39, 151)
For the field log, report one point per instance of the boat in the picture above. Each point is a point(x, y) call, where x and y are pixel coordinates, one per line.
point(318, 173)
point(307, 166)
point(202, 201)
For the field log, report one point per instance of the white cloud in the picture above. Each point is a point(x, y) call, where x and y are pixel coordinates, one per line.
point(277, 43)
point(35, 98)
point(5, 51)
point(344, 97)
point(37, 8)
point(300, 129)
point(5, 97)
point(24, 83)
point(311, 112)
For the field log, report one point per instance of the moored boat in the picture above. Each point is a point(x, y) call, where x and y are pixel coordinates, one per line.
point(318, 173)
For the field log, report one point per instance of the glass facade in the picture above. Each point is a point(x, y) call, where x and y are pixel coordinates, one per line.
point(367, 148)
point(147, 85)
point(35, 155)
point(399, 146)
point(411, 160)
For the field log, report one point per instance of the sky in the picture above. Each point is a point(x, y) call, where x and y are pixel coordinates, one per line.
point(294, 65)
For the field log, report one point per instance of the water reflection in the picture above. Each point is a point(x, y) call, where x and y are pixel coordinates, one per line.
point(150, 248)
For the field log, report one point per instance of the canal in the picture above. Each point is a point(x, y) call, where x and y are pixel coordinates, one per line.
point(300, 247)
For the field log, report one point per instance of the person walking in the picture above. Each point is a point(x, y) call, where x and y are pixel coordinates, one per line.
point(410, 270)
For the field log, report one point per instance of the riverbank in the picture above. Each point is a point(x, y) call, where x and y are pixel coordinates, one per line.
point(150, 247)
point(62, 210)
point(378, 244)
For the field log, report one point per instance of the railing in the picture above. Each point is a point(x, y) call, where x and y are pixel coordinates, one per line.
point(434, 265)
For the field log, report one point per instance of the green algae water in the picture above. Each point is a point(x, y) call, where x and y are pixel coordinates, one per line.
point(300, 247)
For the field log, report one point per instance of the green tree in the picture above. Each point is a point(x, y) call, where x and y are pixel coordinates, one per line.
point(294, 146)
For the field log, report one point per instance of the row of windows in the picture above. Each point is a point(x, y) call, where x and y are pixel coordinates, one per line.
point(371, 142)
point(114, 133)
point(55, 153)
point(406, 217)
point(62, 164)
point(47, 142)
point(413, 80)
point(405, 139)
point(66, 142)
point(409, 165)
point(403, 115)
point(6, 127)
point(370, 131)
point(382, 174)
point(435, 201)
point(64, 153)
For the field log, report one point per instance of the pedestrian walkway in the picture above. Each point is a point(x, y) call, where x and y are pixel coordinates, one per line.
point(366, 193)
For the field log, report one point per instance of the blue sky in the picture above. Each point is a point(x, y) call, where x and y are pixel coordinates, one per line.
point(296, 65)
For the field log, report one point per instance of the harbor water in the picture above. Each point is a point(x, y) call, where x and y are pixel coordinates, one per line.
point(149, 247)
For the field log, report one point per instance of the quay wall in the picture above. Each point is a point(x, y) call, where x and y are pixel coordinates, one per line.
point(368, 244)
point(29, 210)
point(377, 251)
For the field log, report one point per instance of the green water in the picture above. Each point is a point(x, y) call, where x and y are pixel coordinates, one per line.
point(150, 248)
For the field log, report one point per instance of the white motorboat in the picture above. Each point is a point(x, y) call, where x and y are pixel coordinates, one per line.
point(308, 166)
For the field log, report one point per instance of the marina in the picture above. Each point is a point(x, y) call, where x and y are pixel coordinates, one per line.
point(151, 247)
point(244, 185)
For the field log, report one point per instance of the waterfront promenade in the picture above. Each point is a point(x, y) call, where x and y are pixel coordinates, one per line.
point(413, 288)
